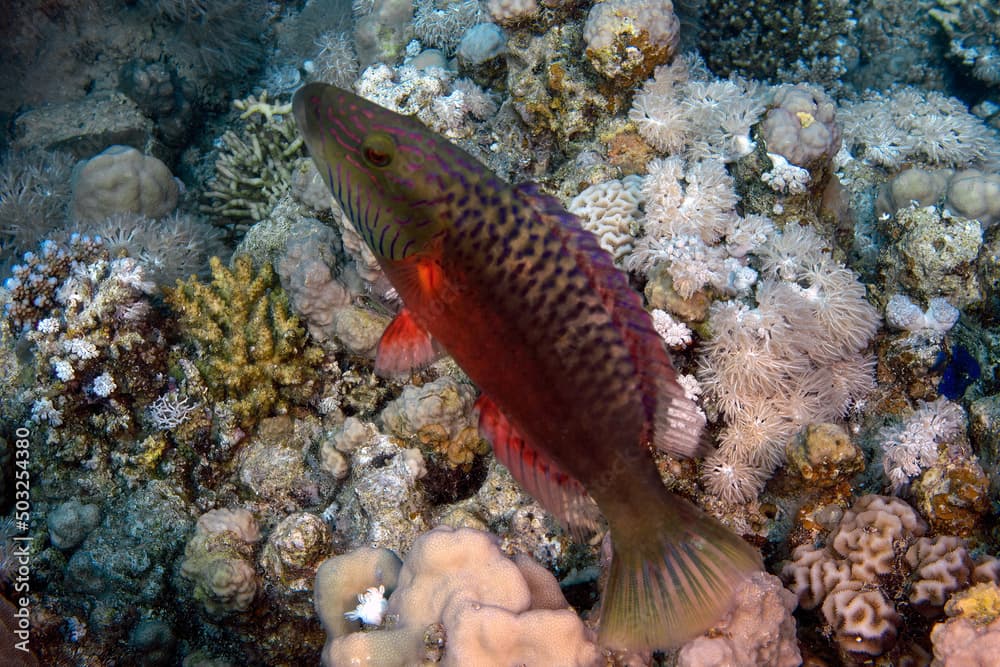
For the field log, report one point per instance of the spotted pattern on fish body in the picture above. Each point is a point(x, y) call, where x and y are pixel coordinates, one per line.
point(574, 379)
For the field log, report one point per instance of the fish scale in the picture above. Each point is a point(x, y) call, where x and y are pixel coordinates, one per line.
point(574, 381)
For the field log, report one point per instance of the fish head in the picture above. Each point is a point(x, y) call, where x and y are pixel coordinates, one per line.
point(387, 171)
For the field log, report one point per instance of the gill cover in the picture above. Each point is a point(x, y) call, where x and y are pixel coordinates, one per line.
point(374, 161)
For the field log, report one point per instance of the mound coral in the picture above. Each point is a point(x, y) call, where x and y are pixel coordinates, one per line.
point(457, 595)
point(123, 180)
point(253, 352)
point(626, 39)
point(219, 560)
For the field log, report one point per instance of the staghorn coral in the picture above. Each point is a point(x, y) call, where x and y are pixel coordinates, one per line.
point(253, 352)
point(254, 168)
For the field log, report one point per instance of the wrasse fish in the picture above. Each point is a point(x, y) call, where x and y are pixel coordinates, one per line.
point(574, 380)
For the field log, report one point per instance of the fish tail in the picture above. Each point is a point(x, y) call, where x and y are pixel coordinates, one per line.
point(672, 579)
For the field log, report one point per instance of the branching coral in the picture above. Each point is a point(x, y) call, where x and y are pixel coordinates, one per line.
point(752, 39)
point(93, 336)
point(252, 351)
point(254, 168)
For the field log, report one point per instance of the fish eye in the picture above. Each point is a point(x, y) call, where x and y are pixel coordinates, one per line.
point(378, 149)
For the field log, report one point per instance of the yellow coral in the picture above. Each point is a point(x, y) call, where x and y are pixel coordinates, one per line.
point(980, 603)
point(253, 350)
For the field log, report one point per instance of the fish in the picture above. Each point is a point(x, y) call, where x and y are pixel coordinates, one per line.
point(574, 381)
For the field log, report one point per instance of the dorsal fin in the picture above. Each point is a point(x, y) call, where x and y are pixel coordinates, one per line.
point(556, 491)
point(673, 422)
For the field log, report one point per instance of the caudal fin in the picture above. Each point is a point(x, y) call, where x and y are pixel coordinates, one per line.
point(673, 581)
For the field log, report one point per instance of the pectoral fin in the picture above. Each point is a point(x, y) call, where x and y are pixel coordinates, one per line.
point(405, 346)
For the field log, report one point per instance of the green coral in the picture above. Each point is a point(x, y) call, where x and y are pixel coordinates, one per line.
point(254, 352)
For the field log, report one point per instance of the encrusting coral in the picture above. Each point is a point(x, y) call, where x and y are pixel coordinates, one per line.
point(253, 351)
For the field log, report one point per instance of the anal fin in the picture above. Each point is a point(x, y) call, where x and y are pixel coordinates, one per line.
point(405, 346)
point(555, 490)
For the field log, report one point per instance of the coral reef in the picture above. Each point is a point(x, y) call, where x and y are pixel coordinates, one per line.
point(251, 351)
point(877, 575)
point(846, 166)
point(458, 597)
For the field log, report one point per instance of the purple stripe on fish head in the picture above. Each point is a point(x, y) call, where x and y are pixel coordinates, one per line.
point(397, 207)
